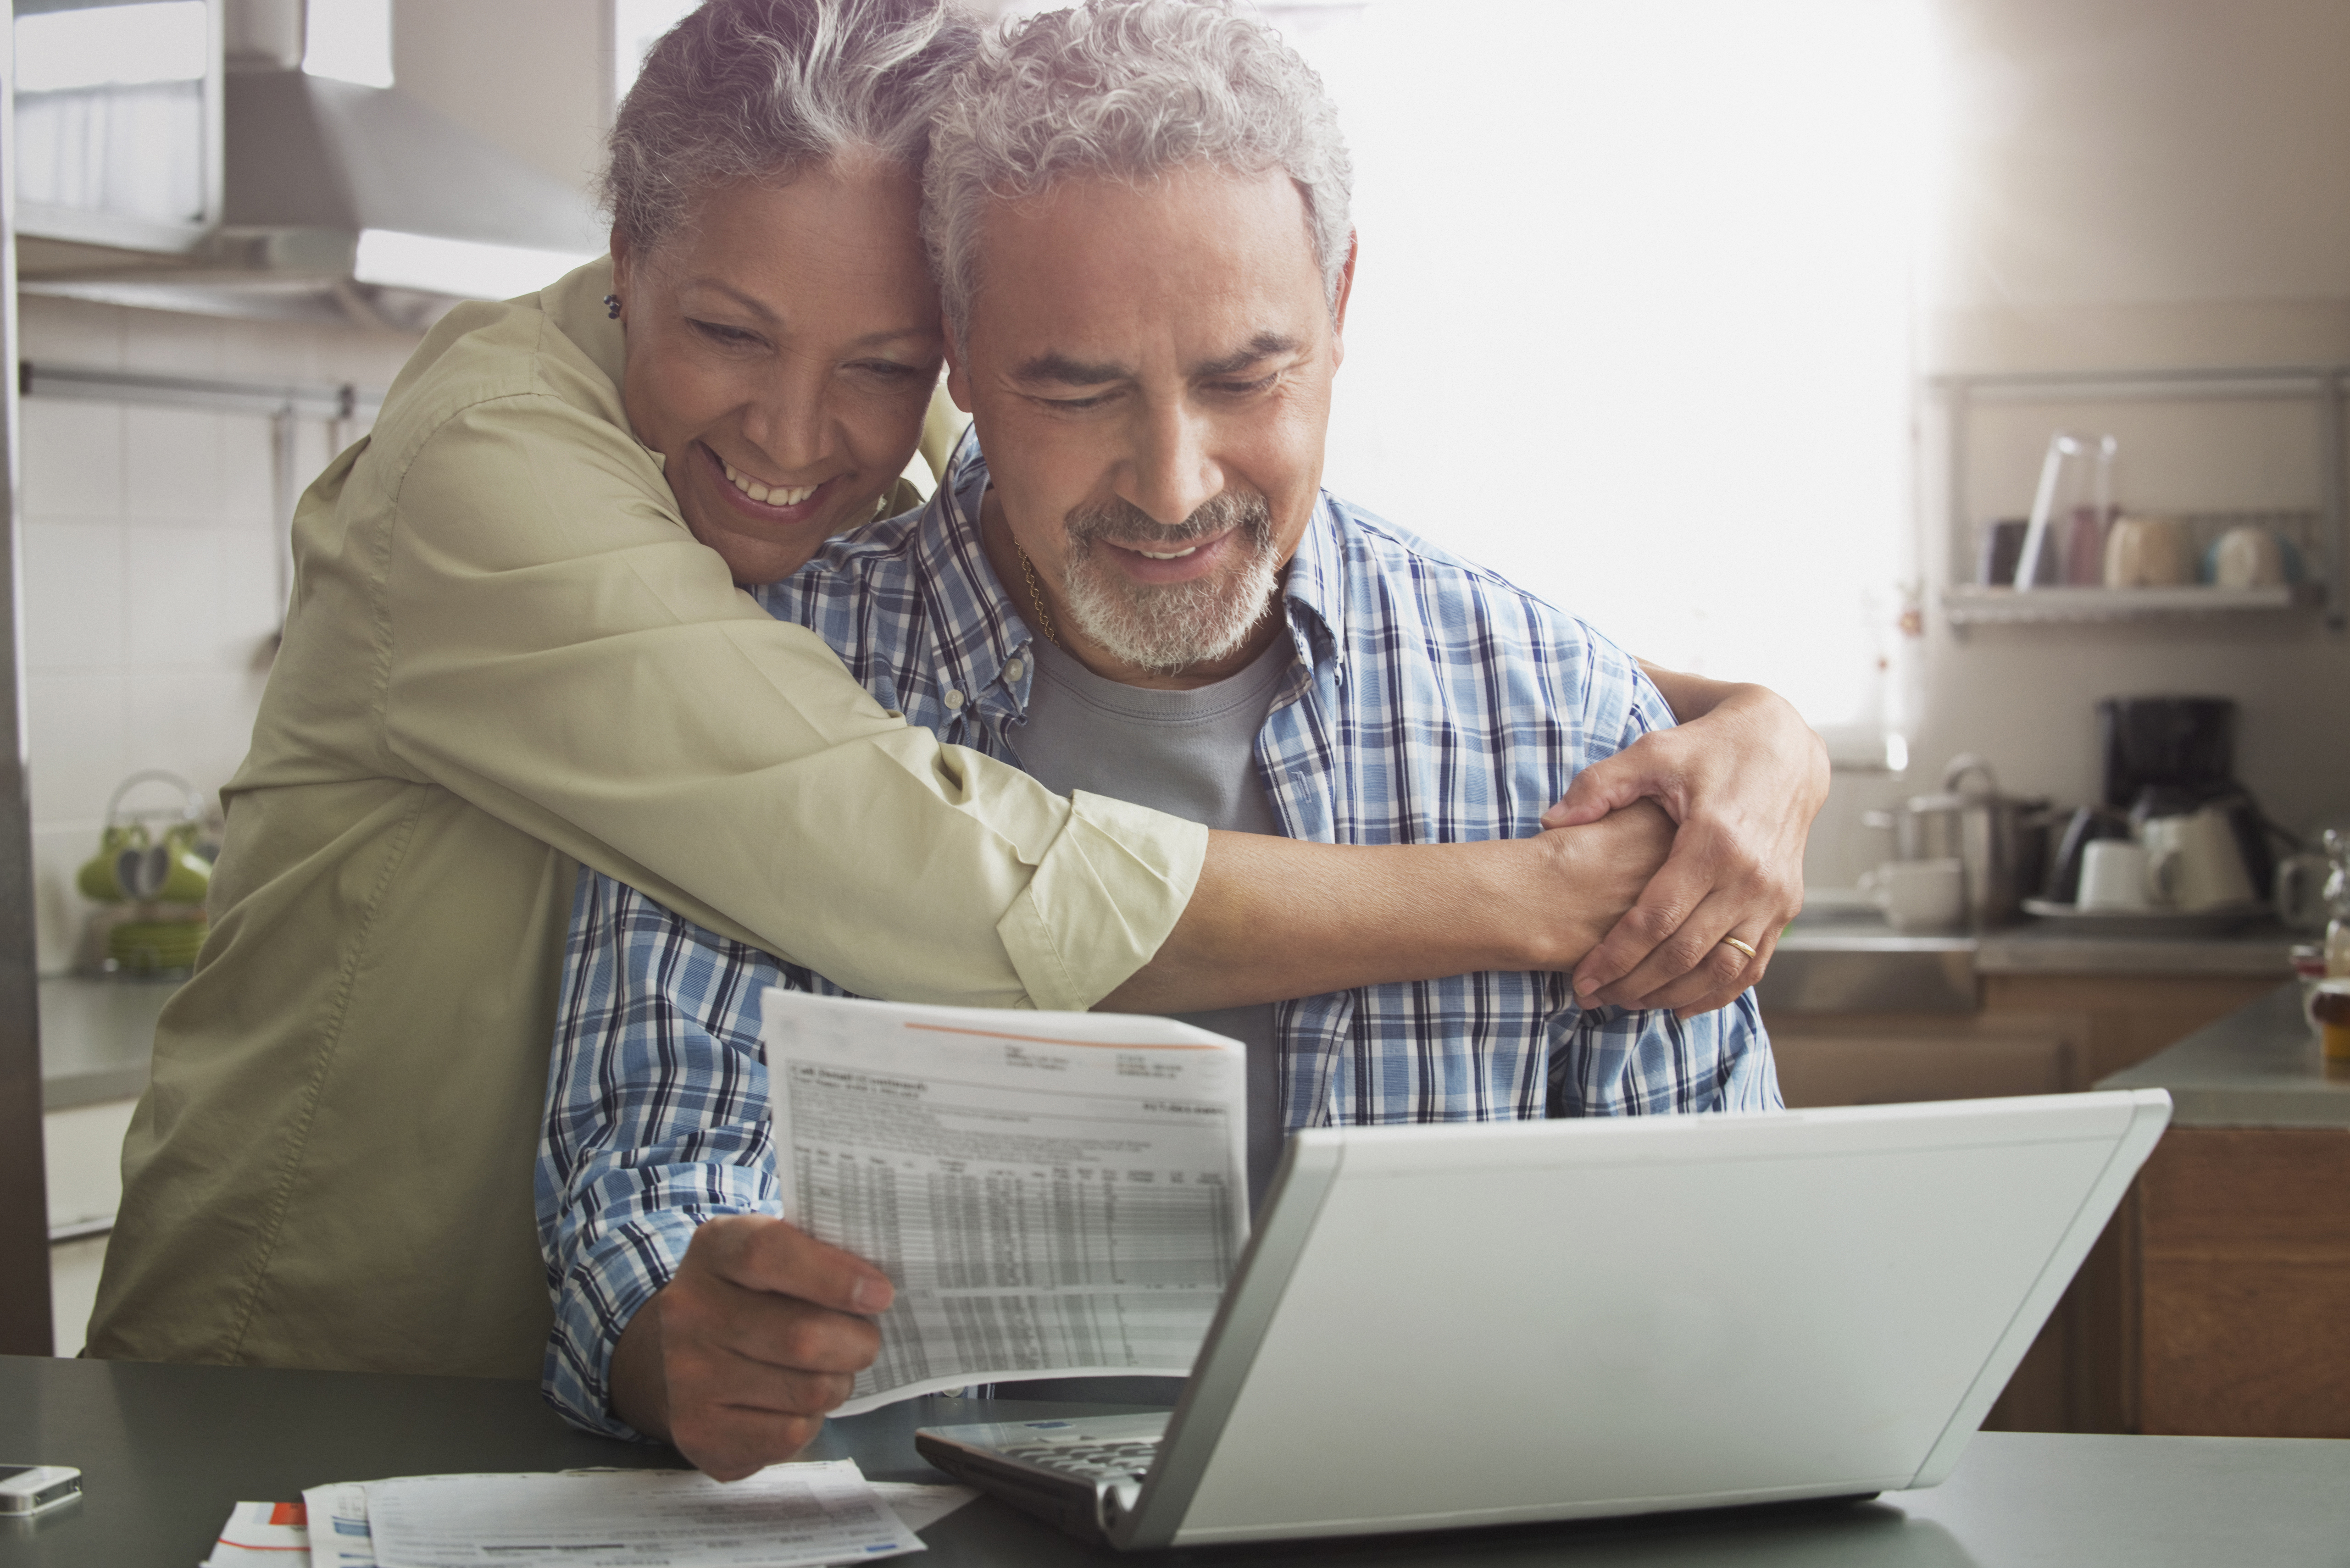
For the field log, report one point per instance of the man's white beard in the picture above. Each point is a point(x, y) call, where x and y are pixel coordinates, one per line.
point(1166, 627)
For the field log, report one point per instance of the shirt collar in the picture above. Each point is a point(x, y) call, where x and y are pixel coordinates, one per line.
point(981, 632)
point(1314, 589)
point(574, 303)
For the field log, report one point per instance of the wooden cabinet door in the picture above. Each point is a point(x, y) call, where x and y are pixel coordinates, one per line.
point(1871, 1059)
point(2242, 1252)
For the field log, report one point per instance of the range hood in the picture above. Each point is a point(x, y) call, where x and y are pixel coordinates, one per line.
point(338, 202)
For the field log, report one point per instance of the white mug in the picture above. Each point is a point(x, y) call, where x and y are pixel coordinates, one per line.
point(2112, 875)
point(2194, 862)
point(1917, 895)
point(2248, 558)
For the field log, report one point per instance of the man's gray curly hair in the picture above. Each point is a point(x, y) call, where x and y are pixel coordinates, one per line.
point(1130, 89)
point(764, 89)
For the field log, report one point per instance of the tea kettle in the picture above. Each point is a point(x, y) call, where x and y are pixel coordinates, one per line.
point(2001, 841)
point(135, 866)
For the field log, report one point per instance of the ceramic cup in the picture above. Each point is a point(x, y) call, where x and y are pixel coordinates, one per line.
point(2112, 875)
point(2247, 558)
point(2147, 553)
point(2193, 862)
point(1917, 895)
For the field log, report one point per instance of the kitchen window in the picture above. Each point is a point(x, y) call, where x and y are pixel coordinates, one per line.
point(1632, 318)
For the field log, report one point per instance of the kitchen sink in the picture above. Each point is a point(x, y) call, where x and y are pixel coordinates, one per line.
point(1848, 961)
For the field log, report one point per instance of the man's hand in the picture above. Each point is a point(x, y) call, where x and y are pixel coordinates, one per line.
point(736, 1360)
point(1744, 778)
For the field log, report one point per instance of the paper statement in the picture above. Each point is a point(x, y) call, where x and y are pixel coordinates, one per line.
point(1052, 1194)
point(341, 1533)
point(783, 1516)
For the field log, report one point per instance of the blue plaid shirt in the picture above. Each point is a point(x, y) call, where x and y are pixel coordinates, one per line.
point(1430, 703)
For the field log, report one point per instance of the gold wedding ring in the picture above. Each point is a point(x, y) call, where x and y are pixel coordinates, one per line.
point(1741, 947)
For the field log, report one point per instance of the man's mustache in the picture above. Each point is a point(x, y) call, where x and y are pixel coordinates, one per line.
point(1120, 521)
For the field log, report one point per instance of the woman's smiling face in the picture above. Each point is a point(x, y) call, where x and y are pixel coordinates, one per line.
point(782, 346)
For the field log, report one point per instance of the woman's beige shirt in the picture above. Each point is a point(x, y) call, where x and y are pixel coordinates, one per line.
point(506, 655)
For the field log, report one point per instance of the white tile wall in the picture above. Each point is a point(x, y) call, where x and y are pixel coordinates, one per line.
point(151, 585)
point(74, 1269)
point(82, 1149)
point(73, 453)
point(171, 463)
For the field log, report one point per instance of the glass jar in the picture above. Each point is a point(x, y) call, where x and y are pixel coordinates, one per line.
point(2331, 1008)
point(2337, 905)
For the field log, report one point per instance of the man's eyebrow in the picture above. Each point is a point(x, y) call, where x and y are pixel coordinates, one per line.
point(1058, 367)
point(1262, 347)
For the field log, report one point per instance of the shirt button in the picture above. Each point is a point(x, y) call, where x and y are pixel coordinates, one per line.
point(955, 699)
point(1012, 670)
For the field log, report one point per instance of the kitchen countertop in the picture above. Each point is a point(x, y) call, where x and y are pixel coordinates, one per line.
point(2258, 1067)
point(164, 1451)
point(2040, 949)
point(2038, 946)
point(98, 1037)
point(1843, 959)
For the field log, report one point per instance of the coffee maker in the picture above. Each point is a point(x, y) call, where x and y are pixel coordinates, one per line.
point(2168, 756)
point(2182, 746)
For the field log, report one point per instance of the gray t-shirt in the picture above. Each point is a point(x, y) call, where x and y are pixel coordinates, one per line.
point(1188, 754)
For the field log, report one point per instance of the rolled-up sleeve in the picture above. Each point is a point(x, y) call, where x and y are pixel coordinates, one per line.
point(559, 651)
point(657, 1122)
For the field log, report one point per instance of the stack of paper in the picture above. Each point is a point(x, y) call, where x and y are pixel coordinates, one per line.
point(1053, 1194)
point(786, 1516)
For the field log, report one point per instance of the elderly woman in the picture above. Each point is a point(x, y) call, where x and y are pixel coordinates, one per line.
point(517, 645)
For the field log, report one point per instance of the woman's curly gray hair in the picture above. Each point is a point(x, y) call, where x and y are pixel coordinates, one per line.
point(762, 89)
point(1130, 89)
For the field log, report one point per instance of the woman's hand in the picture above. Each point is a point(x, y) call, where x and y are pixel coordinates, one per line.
point(1742, 775)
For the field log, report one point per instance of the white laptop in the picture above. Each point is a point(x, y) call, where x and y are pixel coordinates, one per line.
point(1485, 1324)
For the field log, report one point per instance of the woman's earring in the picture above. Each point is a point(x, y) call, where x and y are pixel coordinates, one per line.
point(612, 305)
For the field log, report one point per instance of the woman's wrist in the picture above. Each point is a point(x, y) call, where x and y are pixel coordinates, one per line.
point(1692, 697)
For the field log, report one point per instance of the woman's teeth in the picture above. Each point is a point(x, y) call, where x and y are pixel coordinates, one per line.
point(780, 496)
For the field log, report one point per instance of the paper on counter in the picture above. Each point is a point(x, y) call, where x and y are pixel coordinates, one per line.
point(275, 1533)
point(338, 1526)
point(786, 1516)
point(920, 1505)
point(1053, 1194)
point(344, 1540)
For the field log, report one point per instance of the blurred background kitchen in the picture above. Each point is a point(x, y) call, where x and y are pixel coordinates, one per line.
point(1955, 367)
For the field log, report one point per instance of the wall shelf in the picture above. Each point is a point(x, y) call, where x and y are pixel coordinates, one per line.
point(2325, 546)
point(1973, 604)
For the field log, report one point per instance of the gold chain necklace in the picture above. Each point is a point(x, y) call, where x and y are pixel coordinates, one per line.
point(1036, 597)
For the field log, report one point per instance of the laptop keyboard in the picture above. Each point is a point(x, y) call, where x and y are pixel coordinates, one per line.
point(1127, 1460)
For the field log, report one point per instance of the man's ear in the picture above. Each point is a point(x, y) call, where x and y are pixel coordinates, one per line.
point(957, 373)
point(1346, 292)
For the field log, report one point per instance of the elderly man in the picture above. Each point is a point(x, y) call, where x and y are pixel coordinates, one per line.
point(1131, 583)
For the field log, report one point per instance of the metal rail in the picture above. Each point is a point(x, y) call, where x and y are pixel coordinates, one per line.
point(319, 399)
point(282, 402)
